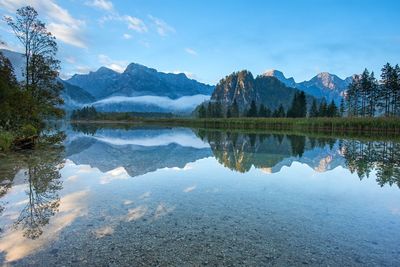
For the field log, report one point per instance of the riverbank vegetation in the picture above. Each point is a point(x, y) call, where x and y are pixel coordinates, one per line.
point(26, 105)
point(358, 127)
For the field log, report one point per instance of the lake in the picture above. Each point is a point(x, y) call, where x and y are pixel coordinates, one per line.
point(178, 196)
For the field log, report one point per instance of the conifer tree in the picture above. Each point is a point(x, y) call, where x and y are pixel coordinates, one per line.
point(253, 110)
point(229, 112)
point(314, 109)
point(385, 92)
point(209, 110)
point(323, 109)
point(202, 111)
point(342, 108)
point(235, 109)
point(332, 110)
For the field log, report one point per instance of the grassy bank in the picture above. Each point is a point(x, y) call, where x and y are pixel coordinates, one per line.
point(6, 140)
point(337, 126)
point(17, 139)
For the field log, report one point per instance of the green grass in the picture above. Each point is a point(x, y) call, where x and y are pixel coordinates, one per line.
point(6, 140)
point(389, 127)
point(358, 125)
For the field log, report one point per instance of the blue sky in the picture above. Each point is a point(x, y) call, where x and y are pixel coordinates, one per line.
point(209, 39)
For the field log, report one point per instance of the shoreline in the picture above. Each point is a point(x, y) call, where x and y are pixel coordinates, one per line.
point(364, 127)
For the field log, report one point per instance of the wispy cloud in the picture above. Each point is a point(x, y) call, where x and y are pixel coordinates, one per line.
point(67, 33)
point(101, 4)
point(190, 51)
point(135, 24)
point(116, 65)
point(163, 29)
point(70, 59)
point(127, 36)
point(132, 22)
point(60, 22)
point(82, 69)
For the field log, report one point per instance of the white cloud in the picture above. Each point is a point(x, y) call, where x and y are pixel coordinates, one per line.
point(116, 65)
point(60, 23)
point(67, 34)
point(127, 36)
point(101, 4)
point(79, 69)
point(71, 60)
point(82, 69)
point(135, 24)
point(65, 76)
point(190, 51)
point(163, 139)
point(162, 27)
point(183, 103)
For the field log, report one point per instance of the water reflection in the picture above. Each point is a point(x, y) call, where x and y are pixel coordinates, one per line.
point(383, 156)
point(235, 150)
point(43, 177)
point(241, 151)
point(39, 171)
point(148, 187)
point(138, 151)
point(269, 152)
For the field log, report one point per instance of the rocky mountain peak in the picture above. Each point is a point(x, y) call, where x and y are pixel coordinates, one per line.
point(328, 80)
point(281, 77)
point(135, 67)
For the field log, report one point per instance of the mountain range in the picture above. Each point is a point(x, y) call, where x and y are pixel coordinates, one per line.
point(138, 80)
point(144, 89)
point(323, 85)
point(138, 88)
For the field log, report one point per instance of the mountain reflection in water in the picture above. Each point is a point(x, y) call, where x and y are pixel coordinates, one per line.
point(240, 151)
point(44, 192)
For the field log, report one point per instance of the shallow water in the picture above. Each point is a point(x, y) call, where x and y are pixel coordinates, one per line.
point(176, 196)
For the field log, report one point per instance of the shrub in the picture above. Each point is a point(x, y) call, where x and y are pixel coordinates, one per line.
point(6, 139)
point(28, 130)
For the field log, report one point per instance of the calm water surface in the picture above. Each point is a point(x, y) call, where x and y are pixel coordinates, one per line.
point(176, 196)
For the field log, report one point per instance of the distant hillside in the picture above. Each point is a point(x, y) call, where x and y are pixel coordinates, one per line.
point(263, 90)
point(73, 96)
point(17, 60)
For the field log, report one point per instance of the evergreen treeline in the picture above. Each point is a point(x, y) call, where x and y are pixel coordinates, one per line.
point(298, 109)
point(24, 106)
point(90, 113)
point(366, 97)
point(85, 113)
point(323, 109)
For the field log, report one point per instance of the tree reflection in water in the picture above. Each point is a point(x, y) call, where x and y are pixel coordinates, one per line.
point(41, 171)
point(383, 156)
point(241, 151)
